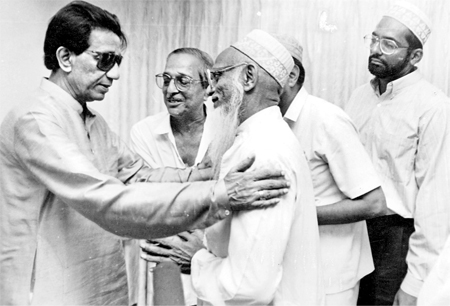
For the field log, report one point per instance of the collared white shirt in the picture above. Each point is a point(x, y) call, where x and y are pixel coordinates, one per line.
point(436, 289)
point(340, 169)
point(267, 255)
point(406, 132)
point(152, 138)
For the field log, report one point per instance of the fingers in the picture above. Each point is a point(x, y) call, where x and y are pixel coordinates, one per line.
point(244, 164)
point(155, 248)
point(256, 204)
point(156, 259)
point(271, 184)
point(264, 174)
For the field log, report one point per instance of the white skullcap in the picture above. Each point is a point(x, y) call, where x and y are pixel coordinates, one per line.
point(413, 18)
point(268, 53)
point(292, 45)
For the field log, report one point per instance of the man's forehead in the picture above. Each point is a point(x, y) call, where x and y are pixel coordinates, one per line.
point(225, 58)
point(183, 62)
point(390, 28)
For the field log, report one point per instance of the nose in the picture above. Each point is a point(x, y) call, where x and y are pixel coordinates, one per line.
point(376, 48)
point(114, 72)
point(210, 90)
point(171, 87)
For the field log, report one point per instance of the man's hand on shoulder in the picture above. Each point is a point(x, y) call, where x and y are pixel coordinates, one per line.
point(256, 188)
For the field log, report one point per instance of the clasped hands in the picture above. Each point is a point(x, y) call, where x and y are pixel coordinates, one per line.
point(178, 249)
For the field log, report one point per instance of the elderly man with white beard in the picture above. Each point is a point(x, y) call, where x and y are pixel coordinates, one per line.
point(261, 257)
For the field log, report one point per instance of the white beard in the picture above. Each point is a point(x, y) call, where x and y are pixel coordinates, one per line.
point(226, 126)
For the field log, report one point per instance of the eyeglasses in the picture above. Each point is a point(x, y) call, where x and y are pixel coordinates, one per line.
point(213, 76)
point(182, 82)
point(387, 46)
point(106, 60)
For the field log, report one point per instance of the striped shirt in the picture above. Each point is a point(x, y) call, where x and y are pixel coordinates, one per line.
point(406, 131)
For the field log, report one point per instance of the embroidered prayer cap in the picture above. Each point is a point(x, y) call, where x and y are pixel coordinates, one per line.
point(292, 45)
point(268, 53)
point(413, 18)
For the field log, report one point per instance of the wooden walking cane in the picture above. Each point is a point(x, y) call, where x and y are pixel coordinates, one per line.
point(142, 290)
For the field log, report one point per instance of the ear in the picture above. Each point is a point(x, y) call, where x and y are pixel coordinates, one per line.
point(64, 59)
point(415, 56)
point(293, 76)
point(250, 76)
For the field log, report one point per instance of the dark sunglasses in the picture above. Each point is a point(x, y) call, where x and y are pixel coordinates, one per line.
point(107, 60)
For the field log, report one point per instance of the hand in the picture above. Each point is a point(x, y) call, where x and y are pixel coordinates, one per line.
point(255, 188)
point(402, 298)
point(205, 163)
point(179, 249)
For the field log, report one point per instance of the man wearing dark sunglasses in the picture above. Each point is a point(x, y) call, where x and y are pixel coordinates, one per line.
point(403, 122)
point(66, 190)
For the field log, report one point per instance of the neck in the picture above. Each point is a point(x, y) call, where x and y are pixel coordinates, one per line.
point(383, 82)
point(256, 103)
point(60, 79)
point(287, 97)
point(188, 123)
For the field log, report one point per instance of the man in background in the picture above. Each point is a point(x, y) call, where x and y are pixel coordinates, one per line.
point(65, 189)
point(175, 137)
point(346, 186)
point(403, 122)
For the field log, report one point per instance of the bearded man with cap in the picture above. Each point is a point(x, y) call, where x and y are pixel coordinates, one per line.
point(271, 257)
point(346, 185)
point(403, 122)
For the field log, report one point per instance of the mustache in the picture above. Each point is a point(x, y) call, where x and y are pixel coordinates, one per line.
point(376, 56)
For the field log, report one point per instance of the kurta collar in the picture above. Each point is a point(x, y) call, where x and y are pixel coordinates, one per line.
point(296, 106)
point(396, 86)
point(262, 117)
point(64, 97)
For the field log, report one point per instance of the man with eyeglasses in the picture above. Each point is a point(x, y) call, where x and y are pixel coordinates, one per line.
point(269, 257)
point(346, 186)
point(177, 137)
point(69, 187)
point(403, 122)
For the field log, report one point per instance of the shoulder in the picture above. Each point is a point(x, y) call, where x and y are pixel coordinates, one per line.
point(149, 123)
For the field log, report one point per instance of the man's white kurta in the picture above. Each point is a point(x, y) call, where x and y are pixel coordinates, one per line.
point(269, 255)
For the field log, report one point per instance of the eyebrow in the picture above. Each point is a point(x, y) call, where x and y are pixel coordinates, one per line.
point(385, 37)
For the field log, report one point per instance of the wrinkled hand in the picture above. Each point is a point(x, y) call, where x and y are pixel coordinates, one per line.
point(254, 188)
point(402, 298)
point(205, 163)
point(178, 249)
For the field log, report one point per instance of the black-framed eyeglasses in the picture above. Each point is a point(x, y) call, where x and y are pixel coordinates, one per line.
point(213, 76)
point(387, 46)
point(182, 82)
point(106, 60)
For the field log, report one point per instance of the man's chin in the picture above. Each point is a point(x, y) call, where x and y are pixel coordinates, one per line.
point(378, 71)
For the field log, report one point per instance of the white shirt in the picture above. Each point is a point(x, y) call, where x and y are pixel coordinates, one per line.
point(152, 138)
point(436, 289)
point(340, 169)
point(272, 255)
point(406, 132)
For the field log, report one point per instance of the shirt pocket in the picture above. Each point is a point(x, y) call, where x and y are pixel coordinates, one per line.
point(396, 155)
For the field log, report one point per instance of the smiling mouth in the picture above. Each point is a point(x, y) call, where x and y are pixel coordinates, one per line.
point(174, 101)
